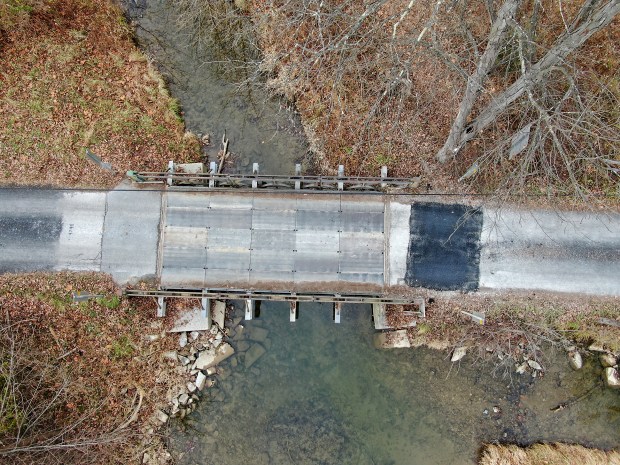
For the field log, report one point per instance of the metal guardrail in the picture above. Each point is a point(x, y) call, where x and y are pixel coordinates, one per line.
point(215, 180)
point(239, 294)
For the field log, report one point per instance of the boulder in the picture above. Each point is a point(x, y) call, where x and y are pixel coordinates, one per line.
point(191, 387)
point(219, 313)
point(596, 348)
point(575, 360)
point(239, 333)
point(194, 335)
point(253, 354)
point(612, 379)
point(161, 416)
point(458, 353)
point(183, 399)
point(534, 365)
point(200, 380)
point(608, 360)
point(391, 340)
point(183, 339)
point(184, 360)
point(243, 346)
point(212, 357)
point(170, 355)
point(258, 334)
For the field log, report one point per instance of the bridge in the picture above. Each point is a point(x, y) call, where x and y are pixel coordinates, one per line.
point(300, 239)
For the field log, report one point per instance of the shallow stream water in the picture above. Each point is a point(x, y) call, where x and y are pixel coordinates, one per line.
point(261, 129)
point(322, 394)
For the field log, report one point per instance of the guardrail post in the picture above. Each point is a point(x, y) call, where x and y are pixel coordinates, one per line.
point(170, 172)
point(419, 301)
point(297, 173)
point(212, 172)
point(254, 172)
point(161, 307)
point(337, 309)
point(340, 175)
point(249, 309)
point(206, 310)
point(384, 173)
point(294, 306)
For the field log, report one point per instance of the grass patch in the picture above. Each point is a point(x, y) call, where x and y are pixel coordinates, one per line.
point(110, 302)
point(121, 348)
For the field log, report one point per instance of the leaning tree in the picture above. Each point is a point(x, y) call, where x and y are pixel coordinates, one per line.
point(563, 132)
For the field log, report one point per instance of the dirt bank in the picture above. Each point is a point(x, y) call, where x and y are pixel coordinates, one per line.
point(73, 79)
point(81, 382)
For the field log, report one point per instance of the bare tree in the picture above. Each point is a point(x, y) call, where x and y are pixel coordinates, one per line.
point(35, 424)
point(592, 17)
point(372, 59)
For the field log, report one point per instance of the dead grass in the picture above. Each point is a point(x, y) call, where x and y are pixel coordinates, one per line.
point(336, 99)
point(101, 350)
point(547, 454)
point(72, 79)
point(517, 324)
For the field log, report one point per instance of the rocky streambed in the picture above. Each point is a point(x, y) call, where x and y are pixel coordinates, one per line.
point(316, 392)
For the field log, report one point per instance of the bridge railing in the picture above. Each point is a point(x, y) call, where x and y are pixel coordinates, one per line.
point(378, 302)
point(175, 176)
point(284, 296)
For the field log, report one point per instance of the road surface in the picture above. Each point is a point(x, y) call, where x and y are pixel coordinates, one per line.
point(329, 242)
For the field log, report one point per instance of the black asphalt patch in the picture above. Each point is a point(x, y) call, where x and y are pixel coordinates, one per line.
point(444, 247)
point(21, 229)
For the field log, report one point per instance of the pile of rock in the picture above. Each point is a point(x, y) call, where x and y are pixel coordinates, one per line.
point(529, 365)
point(198, 356)
point(609, 361)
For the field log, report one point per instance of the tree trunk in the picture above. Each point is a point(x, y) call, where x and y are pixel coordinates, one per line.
point(586, 24)
point(476, 80)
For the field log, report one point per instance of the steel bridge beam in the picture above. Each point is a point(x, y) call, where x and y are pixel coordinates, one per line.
point(237, 294)
point(215, 181)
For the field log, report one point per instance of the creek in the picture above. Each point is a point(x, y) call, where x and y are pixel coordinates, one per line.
point(321, 394)
point(218, 97)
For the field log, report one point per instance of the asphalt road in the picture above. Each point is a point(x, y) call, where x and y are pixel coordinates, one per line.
point(49, 230)
point(432, 245)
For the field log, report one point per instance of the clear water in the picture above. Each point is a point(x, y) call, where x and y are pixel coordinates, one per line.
point(261, 129)
point(323, 395)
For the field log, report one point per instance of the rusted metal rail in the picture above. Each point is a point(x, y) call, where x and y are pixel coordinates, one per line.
point(251, 298)
point(214, 180)
point(239, 294)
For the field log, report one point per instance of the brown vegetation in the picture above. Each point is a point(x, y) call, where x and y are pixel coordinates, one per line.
point(379, 83)
point(517, 325)
point(547, 454)
point(71, 78)
point(79, 382)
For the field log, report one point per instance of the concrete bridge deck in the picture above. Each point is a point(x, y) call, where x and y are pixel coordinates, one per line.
point(268, 241)
point(335, 242)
